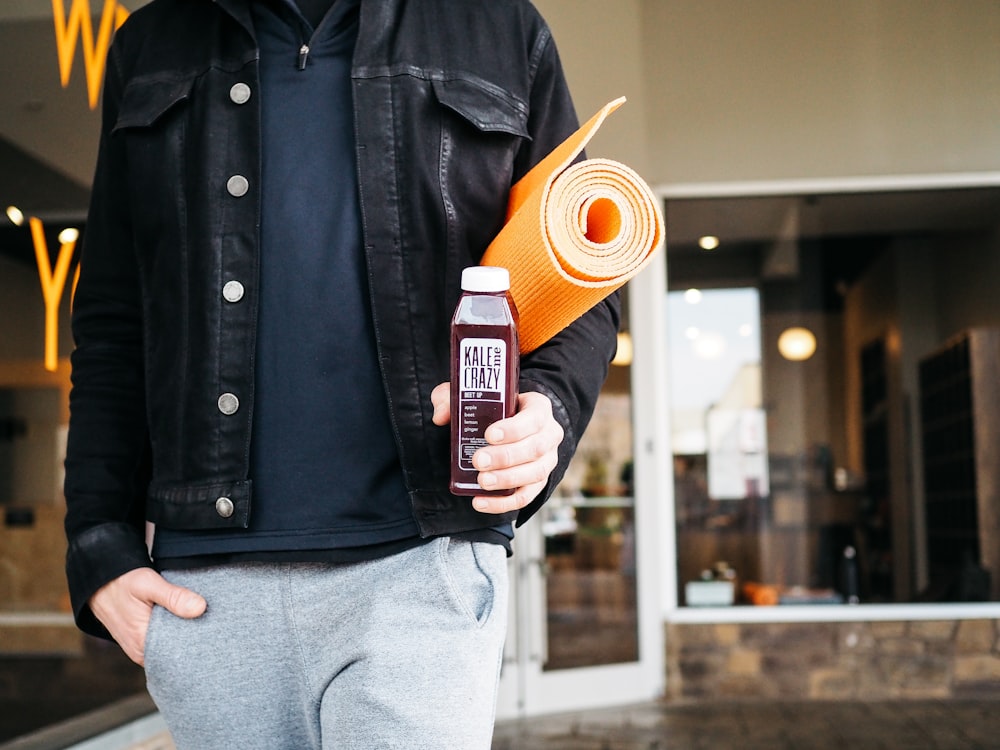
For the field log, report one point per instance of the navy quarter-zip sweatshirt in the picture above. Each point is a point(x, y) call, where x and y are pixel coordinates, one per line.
point(324, 464)
point(327, 481)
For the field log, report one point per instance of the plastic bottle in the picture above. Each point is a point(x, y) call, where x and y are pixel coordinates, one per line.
point(485, 365)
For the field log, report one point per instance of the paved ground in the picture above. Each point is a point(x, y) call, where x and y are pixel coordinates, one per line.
point(919, 725)
point(765, 725)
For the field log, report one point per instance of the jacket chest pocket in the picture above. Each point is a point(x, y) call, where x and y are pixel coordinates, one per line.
point(481, 132)
point(153, 119)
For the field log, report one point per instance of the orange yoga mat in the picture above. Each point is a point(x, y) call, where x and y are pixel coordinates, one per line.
point(574, 234)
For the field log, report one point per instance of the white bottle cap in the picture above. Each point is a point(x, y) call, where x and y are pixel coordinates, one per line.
point(485, 279)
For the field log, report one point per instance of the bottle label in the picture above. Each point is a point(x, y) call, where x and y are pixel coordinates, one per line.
point(482, 379)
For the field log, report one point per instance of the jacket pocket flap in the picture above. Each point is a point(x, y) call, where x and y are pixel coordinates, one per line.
point(488, 110)
point(145, 101)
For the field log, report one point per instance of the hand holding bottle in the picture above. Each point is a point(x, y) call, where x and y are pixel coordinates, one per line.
point(521, 450)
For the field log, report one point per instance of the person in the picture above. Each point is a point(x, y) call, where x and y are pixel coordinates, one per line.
point(285, 196)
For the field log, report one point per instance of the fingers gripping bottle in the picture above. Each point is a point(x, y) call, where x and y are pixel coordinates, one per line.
point(485, 367)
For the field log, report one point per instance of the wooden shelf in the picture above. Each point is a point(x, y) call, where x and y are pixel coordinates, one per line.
point(960, 433)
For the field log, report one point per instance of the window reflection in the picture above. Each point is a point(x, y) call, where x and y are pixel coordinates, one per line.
point(831, 408)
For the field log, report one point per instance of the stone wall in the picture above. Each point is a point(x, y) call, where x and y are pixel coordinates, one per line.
point(834, 661)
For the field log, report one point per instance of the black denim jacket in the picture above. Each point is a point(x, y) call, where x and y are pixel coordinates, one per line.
point(454, 101)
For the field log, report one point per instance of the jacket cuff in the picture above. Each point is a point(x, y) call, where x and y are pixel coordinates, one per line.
point(566, 448)
point(96, 557)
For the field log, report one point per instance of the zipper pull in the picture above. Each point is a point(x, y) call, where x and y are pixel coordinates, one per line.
point(303, 56)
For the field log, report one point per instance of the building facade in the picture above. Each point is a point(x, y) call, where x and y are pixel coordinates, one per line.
point(790, 488)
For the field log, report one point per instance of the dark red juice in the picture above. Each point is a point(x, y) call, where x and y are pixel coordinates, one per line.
point(484, 371)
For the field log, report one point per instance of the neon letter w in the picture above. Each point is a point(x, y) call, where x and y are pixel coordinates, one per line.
point(80, 25)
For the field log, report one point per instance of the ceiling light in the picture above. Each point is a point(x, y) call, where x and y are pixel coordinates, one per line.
point(691, 333)
point(692, 296)
point(797, 344)
point(15, 215)
point(710, 346)
point(746, 330)
point(708, 242)
point(69, 234)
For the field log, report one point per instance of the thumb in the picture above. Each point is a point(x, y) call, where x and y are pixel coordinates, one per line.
point(179, 601)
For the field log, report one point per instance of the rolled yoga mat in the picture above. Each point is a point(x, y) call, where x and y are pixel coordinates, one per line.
point(574, 234)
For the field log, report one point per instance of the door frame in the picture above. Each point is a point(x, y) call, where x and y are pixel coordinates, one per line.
point(527, 690)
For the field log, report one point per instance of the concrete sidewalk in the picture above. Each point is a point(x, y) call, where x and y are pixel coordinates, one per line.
point(916, 725)
point(132, 724)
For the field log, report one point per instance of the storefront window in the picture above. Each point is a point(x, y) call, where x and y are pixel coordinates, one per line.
point(32, 440)
point(832, 402)
point(34, 417)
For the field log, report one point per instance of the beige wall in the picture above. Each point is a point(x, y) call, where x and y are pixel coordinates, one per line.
point(719, 90)
point(733, 90)
point(599, 45)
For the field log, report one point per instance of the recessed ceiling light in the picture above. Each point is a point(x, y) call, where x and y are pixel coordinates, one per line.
point(15, 215)
point(797, 344)
point(692, 296)
point(710, 346)
point(708, 242)
point(69, 234)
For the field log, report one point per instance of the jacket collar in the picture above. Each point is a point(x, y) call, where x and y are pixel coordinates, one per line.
point(240, 11)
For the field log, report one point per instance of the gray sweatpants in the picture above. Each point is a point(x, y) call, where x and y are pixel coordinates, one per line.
point(400, 652)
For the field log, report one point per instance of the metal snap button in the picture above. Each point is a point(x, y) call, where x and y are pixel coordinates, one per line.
point(224, 507)
point(228, 403)
point(237, 185)
point(232, 291)
point(239, 93)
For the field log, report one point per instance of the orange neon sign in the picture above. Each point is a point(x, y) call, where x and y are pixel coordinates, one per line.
point(79, 26)
point(53, 284)
point(69, 29)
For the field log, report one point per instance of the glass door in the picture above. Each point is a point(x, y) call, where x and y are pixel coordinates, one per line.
point(573, 637)
point(585, 627)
